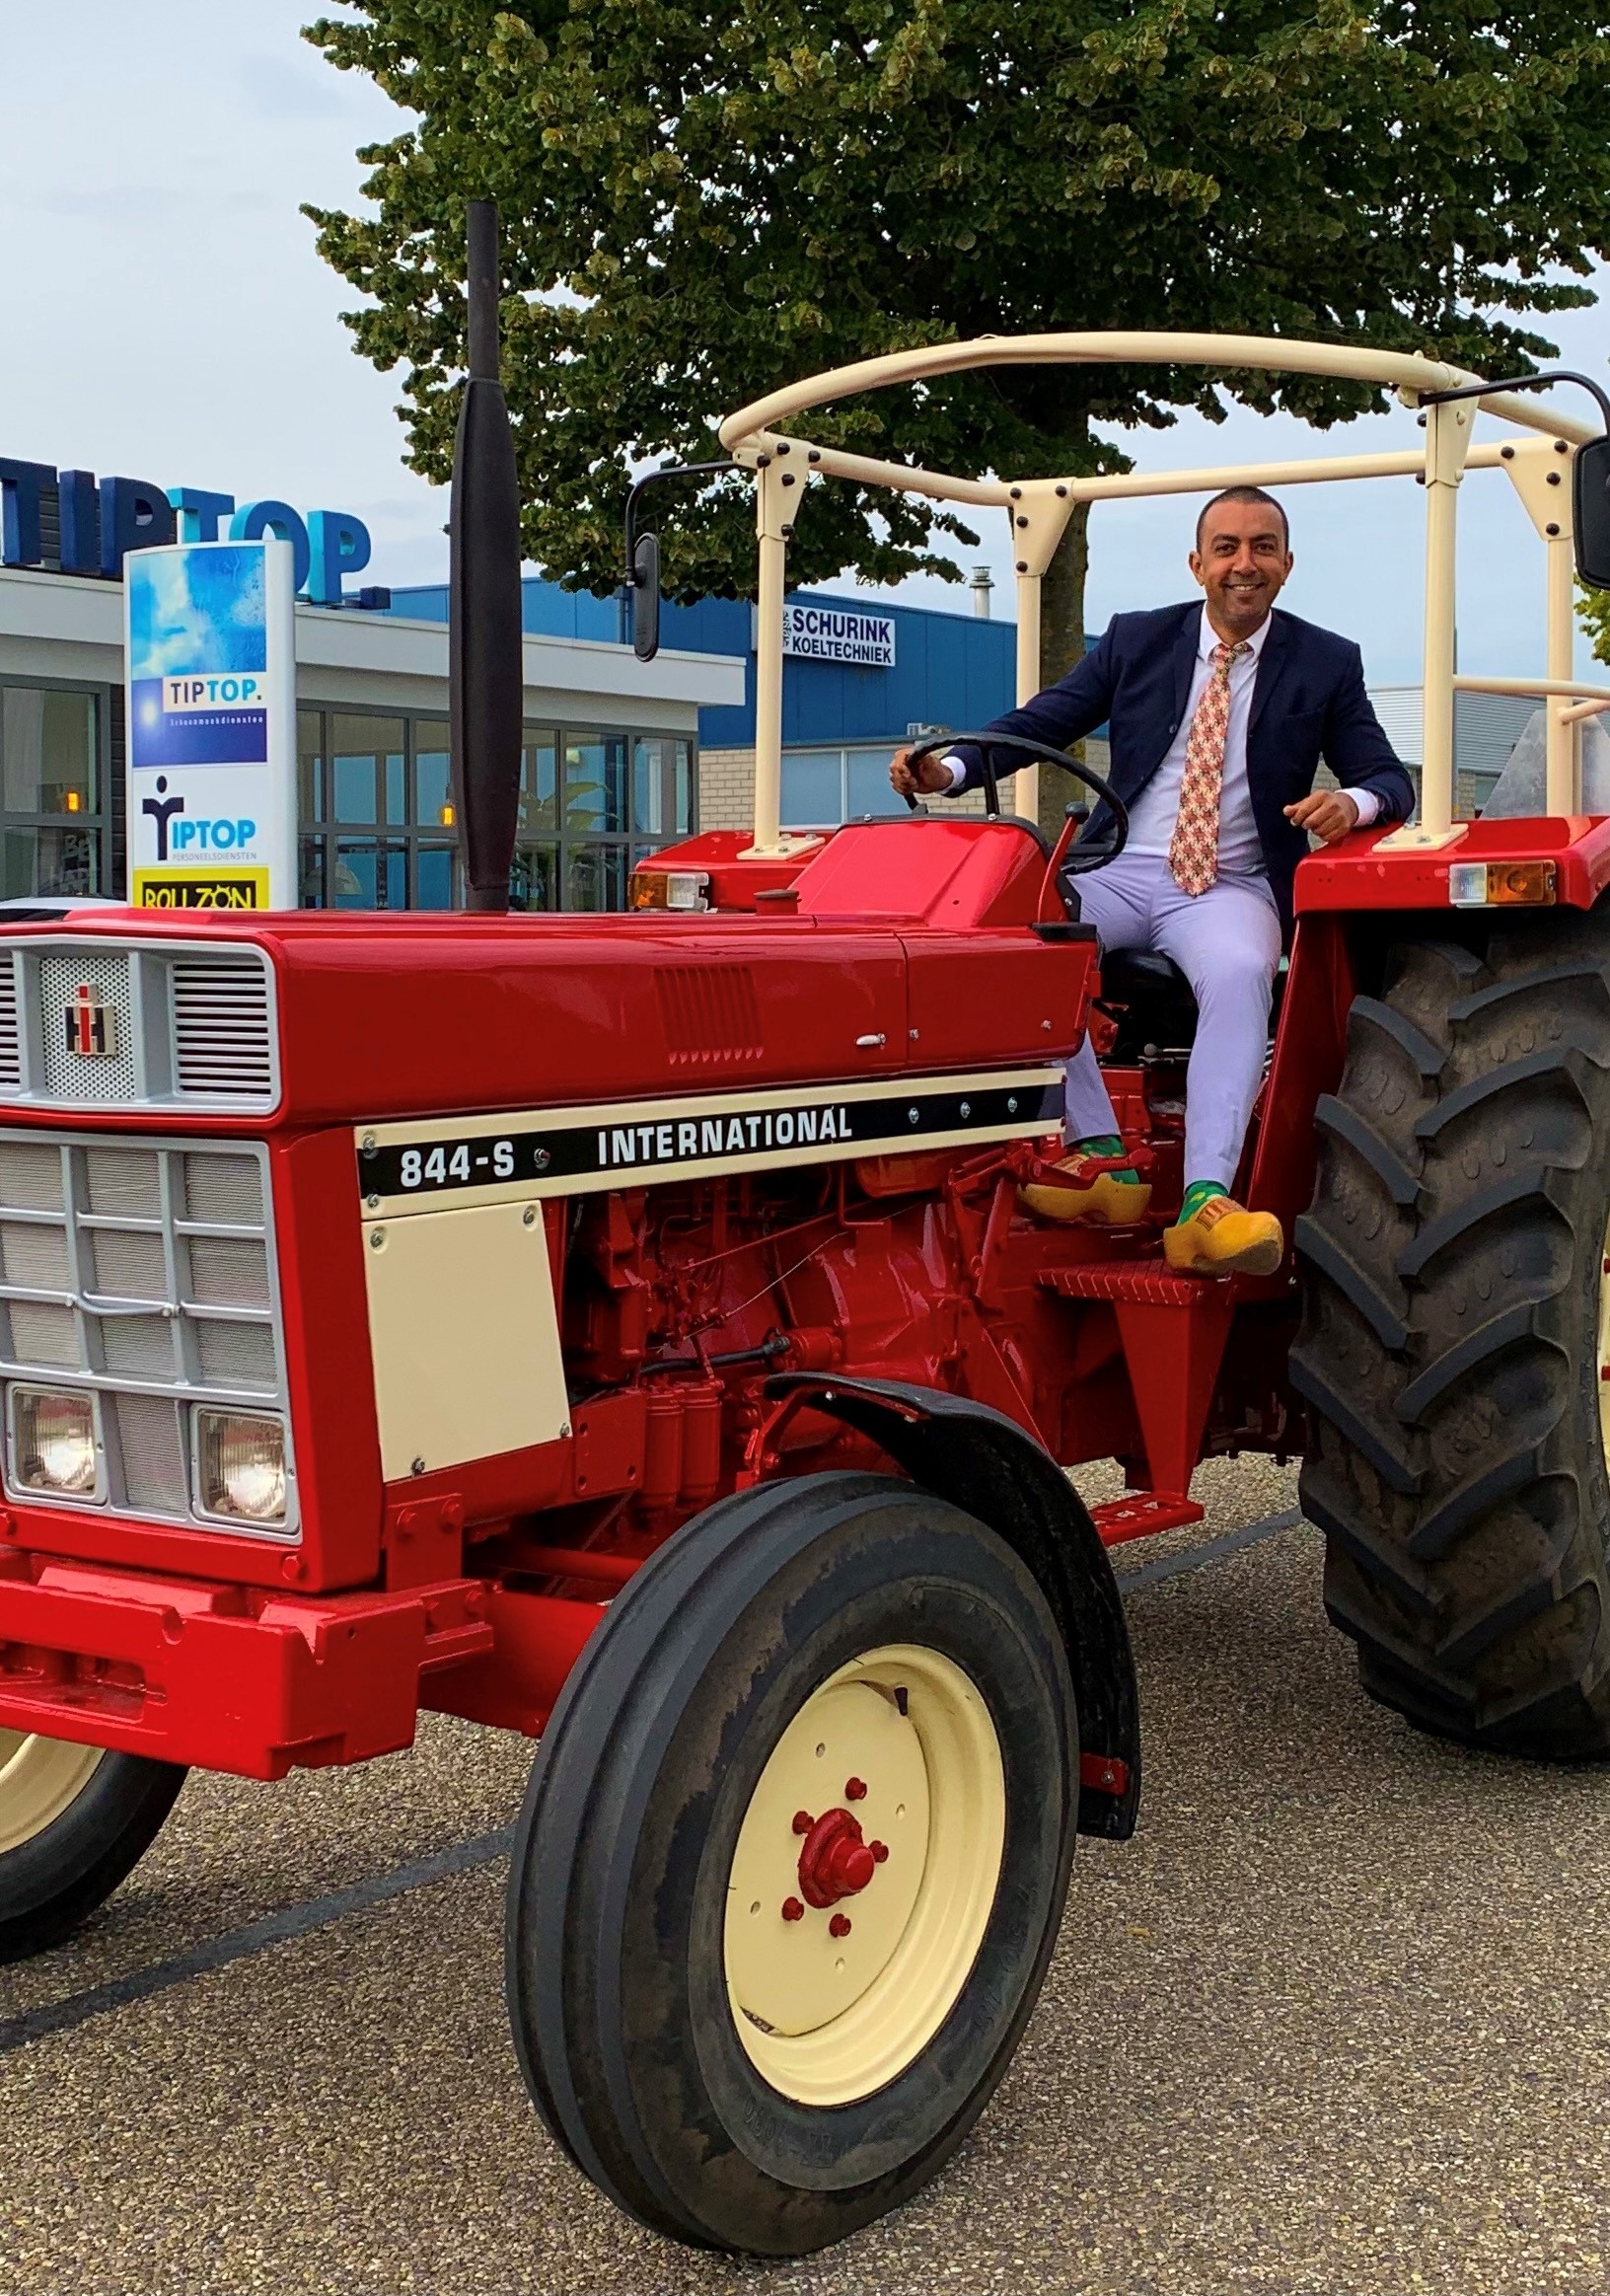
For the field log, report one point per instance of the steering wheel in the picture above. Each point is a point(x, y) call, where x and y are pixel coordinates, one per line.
point(1074, 859)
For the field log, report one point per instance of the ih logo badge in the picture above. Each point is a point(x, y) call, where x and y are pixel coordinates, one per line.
point(92, 1028)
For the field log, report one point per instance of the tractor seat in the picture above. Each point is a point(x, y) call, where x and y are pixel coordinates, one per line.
point(1150, 999)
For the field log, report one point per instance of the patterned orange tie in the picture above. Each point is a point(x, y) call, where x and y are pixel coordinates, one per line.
point(1192, 850)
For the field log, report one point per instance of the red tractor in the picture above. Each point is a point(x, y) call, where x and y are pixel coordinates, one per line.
point(623, 1330)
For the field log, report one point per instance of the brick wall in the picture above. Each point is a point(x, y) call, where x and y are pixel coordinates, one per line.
point(726, 788)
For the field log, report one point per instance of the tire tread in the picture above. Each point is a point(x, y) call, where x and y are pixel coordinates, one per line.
point(1455, 1463)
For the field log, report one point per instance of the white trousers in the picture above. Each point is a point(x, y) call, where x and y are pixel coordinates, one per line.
point(1226, 942)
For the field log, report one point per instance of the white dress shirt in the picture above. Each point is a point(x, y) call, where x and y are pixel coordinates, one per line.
point(1154, 814)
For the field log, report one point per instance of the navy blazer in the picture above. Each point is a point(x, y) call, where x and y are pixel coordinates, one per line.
point(1308, 702)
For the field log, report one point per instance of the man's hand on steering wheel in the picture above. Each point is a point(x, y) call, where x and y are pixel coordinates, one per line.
point(929, 779)
point(917, 766)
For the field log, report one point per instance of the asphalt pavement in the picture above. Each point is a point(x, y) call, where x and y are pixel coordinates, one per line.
point(1338, 2020)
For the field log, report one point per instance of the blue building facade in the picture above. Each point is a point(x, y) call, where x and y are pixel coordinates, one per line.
point(948, 669)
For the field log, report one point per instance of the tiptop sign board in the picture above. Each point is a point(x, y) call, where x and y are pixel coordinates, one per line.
point(211, 775)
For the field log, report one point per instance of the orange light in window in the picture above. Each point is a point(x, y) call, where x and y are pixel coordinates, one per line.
point(448, 815)
point(75, 803)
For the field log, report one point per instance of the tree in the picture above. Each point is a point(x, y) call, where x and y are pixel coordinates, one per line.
point(701, 200)
point(1593, 613)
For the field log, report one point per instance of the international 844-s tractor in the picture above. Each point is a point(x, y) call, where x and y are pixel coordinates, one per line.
point(625, 1331)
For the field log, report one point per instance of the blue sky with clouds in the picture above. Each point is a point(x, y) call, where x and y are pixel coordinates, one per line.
point(165, 317)
point(192, 612)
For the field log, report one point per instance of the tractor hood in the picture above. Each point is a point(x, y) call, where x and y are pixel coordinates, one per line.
point(305, 1017)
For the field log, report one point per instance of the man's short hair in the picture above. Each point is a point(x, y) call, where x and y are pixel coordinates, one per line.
point(1244, 494)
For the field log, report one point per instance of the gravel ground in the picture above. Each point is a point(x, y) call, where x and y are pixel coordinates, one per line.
point(1334, 2022)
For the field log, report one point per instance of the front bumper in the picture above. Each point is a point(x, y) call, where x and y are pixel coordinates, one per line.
point(224, 1677)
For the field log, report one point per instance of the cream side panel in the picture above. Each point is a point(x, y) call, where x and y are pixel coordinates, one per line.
point(463, 1336)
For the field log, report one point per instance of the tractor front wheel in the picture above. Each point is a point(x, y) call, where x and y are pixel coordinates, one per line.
point(1455, 1347)
point(792, 1862)
point(73, 1822)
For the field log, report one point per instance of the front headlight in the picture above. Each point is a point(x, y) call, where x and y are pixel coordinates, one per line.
point(241, 1466)
point(52, 1438)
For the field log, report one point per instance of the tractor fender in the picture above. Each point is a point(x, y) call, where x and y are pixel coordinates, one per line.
point(987, 1464)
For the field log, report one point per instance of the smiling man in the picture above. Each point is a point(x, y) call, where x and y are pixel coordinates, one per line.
point(1218, 715)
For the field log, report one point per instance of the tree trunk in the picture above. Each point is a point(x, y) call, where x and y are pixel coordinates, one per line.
point(1062, 644)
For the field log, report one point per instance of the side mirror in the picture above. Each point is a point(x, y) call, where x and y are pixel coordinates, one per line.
point(1591, 512)
point(645, 599)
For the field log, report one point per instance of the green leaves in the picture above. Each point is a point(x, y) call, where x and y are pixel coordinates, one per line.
point(1593, 613)
point(701, 200)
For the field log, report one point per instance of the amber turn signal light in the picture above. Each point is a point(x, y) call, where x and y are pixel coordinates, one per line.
point(1501, 884)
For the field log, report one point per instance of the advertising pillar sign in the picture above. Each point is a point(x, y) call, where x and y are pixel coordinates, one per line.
point(211, 775)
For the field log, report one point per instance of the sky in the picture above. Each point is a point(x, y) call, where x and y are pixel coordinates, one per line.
point(165, 317)
point(166, 314)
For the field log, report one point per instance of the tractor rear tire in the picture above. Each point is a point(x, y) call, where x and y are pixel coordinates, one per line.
point(1456, 1336)
point(74, 1821)
point(840, 1667)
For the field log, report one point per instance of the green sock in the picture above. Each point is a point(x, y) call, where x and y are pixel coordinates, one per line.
point(1196, 1196)
point(1108, 1143)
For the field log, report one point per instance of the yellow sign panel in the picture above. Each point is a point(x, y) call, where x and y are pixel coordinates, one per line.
point(195, 889)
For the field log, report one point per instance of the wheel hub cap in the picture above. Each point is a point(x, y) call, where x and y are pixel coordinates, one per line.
point(837, 1859)
point(849, 1933)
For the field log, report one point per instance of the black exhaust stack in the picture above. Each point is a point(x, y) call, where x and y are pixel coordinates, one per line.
point(484, 661)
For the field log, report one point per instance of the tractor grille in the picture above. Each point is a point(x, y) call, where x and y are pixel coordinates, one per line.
point(90, 1024)
point(10, 1050)
point(222, 1044)
point(144, 1272)
point(107, 1077)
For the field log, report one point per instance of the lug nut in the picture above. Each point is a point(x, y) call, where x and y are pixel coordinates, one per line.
point(803, 1821)
point(793, 1910)
point(839, 1926)
point(854, 1790)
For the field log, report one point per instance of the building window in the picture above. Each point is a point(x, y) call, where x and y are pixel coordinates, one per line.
point(378, 829)
point(590, 803)
point(822, 787)
point(374, 805)
point(52, 790)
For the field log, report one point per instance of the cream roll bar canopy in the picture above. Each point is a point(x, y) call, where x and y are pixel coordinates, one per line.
point(1538, 464)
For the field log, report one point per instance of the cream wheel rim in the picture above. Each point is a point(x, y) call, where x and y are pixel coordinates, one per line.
point(39, 1778)
point(895, 1766)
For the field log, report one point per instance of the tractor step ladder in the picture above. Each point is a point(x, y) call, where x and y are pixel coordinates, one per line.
point(1173, 1330)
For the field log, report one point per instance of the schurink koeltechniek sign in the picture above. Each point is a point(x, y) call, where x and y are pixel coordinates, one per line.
point(827, 634)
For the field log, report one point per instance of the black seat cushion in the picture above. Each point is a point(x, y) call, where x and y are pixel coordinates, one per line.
point(1157, 1006)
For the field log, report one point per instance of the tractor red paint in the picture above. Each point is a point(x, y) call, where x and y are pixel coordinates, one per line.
point(471, 1589)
